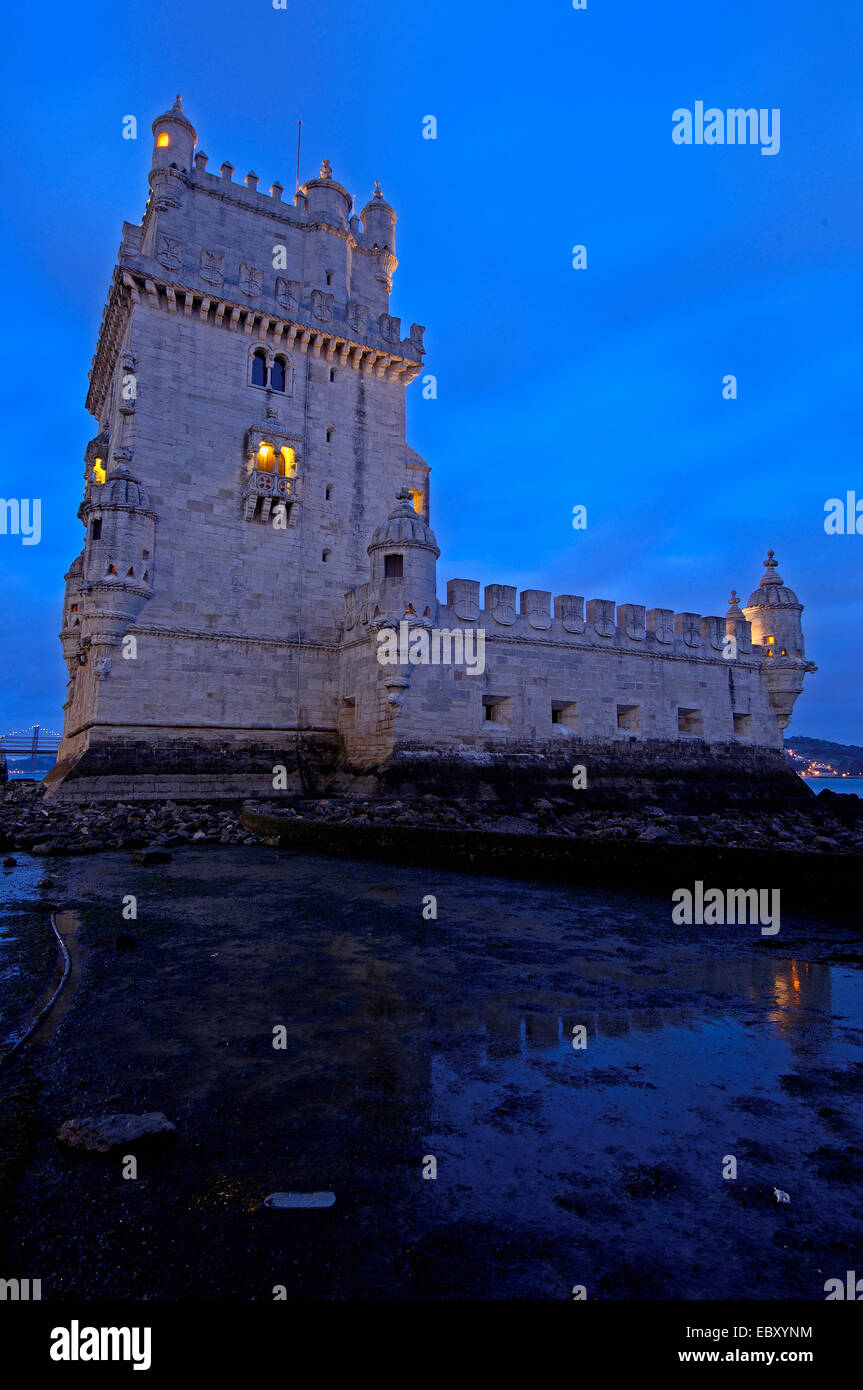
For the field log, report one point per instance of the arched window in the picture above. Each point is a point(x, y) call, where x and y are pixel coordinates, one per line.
point(265, 458)
point(287, 462)
point(99, 474)
point(163, 140)
point(277, 375)
point(259, 368)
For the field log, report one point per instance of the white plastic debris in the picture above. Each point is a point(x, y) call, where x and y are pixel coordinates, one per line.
point(300, 1199)
point(780, 1195)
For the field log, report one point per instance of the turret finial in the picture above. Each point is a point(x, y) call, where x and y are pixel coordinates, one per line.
point(377, 192)
point(326, 169)
point(772, 567)
point(734, 605)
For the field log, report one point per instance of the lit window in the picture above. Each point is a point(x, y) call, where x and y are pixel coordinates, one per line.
point(265, 459)
point(162, 141)
point(287, 462)
point(99, 474)
point(417, 500)
point(770, 641)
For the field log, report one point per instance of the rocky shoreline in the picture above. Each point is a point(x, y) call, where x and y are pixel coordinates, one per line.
point(831, 823)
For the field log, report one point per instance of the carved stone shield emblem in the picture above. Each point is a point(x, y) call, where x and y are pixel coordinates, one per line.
point(570, 608)
point(358, 316)
point(251, 281)
point(322, 306)
point(287, 292)
point(688, 626)
point(212, 268)
point(660, 621)
point(169, 252)
point(391, 329)
point(500, 598)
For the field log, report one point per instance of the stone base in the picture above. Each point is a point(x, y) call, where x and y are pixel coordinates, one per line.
point(691, 775)
point(686, 776)
point(231, 767)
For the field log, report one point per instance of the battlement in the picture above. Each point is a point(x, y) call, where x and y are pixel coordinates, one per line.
point(598, 622)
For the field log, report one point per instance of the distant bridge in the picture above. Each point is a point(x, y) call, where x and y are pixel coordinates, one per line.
point(34, 741)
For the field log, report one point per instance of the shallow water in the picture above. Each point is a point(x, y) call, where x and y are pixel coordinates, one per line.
point(408, 1040)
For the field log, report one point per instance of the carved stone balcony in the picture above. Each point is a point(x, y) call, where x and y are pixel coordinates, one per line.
point(268, 489)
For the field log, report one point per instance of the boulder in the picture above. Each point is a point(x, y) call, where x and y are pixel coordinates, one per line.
point(100, 1133)
point(152, 856)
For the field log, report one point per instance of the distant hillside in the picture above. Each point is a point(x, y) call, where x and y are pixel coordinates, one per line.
point(844, 757)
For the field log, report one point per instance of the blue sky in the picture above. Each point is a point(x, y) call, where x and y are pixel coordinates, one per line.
point(555, 386)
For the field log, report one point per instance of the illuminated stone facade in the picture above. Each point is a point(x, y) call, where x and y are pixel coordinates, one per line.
point(255, 520)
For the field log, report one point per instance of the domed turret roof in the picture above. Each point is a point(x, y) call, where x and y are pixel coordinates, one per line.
point(325, 180)
point(772, 592)
point(176, 113)
point(378, 203)
point(404, 526)
point(122, 490)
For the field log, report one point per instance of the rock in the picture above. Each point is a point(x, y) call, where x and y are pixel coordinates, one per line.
point(9, 862)
point(514, 825)
point(152, 856)
point(45, 847)
point(100, 1133)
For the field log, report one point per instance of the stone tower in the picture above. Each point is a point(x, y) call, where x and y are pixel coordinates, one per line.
point(248, 387)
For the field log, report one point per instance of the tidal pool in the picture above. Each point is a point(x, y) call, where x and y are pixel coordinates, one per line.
point(407, 1040)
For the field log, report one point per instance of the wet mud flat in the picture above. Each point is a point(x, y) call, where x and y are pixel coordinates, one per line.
point(409, 1038)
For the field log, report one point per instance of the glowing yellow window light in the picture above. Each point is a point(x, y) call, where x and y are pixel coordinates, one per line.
point(99, 473)
point(417, 500)
point(266, 457)
point(287, 462)
point(163, 141)
point(770, 641)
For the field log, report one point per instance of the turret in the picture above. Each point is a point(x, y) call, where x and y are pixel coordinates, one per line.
point(174, 140)
point(379, 237)
point(326, 200)
point(379, 223)
point(403, 554)
point(117, 572)
point(774, 612)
